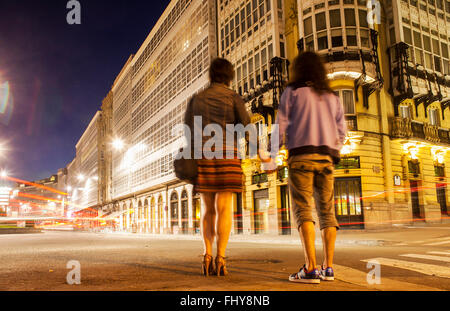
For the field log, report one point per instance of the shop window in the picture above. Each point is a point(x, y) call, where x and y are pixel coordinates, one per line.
point(414, 167)
point(349, 163)
point(439, 171)
point(259, 179)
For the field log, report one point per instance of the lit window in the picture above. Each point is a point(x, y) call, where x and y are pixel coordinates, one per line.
point(434, 117)
point(405, 112)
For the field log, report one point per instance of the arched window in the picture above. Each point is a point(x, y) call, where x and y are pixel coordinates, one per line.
point(174, 209)
point(184, 212)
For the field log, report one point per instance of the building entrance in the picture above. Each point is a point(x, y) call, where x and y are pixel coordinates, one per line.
point(260, 213)
point(415, 202)
point(348, 203)
point(441, 191)
point(285, 215)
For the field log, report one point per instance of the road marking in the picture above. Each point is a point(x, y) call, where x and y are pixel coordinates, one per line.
point(427, 269)
point(440, 253)
point(439, 243)
point(354, 276)
point(429, 257)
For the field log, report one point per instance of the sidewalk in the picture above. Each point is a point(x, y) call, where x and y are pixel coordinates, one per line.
point(392, 236)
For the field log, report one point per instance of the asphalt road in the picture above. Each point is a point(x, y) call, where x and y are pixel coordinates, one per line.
point(38, 262)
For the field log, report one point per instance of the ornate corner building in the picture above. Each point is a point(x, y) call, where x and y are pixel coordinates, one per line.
point(391, 76)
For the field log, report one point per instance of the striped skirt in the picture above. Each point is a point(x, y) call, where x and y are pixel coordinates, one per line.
point(219, 175)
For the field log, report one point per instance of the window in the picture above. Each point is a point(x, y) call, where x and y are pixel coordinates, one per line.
point(363, 19)
point(348, 101)
point(417, 39)
point(444, 50)
point(407, 34)
point(335, 18)
point(351, 37)
point(308, 26)
point(350, 19)
point(322, 41)
point(336, 38)
point(365, 38)
point(434, 117)
point(321, 23)
point(405, 112)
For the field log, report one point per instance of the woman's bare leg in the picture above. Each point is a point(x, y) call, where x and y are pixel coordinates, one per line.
point(224, 221)
point(208, 221)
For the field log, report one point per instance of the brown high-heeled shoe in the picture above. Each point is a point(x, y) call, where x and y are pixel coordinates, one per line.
point(207, 265)
point(221, 268)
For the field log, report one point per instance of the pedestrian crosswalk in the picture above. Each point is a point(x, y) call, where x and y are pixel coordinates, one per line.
point(442, 270)
point(430, 242)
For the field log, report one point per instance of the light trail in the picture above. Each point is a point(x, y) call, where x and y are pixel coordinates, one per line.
point(29, 183)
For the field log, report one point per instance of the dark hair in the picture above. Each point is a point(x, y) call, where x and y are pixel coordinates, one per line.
point(221, 71)
point(308, 69)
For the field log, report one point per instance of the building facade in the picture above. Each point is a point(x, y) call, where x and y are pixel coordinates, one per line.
point(391, 76)
point(149, 98)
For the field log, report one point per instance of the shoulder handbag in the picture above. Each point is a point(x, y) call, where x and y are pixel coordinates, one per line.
point(186, 169)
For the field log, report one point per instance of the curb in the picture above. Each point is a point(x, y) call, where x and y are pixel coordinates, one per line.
point(19, 231)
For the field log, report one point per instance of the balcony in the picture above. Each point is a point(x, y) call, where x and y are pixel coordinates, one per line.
point(352, 123)
point(405, 128)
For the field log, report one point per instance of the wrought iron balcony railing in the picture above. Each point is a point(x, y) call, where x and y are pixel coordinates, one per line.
point(352, 123)
point(407, 129)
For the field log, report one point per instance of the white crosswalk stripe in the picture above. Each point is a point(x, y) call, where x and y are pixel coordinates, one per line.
point(428, 257)
point(427, 269)
point(440, 253)
point(439, 243)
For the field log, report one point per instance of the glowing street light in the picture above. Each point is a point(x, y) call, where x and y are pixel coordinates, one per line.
point(80, 177)
point(118, 144)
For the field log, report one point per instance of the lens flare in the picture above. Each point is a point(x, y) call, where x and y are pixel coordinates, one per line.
point(6, 103)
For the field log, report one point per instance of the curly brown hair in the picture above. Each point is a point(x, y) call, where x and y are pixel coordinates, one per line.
point(308, 69)
point(221, 71)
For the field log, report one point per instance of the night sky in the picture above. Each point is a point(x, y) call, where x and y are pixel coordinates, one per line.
point(59, 74)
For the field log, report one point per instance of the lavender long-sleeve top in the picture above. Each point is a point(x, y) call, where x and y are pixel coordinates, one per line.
point(313, 123)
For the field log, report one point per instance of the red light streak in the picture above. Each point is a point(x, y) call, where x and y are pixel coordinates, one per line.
point(29, 183)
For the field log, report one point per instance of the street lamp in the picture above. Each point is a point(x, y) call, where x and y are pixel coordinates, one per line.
point(118, 144)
